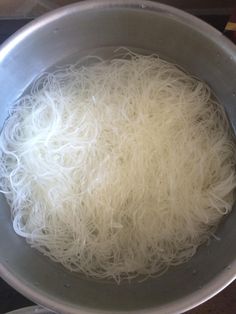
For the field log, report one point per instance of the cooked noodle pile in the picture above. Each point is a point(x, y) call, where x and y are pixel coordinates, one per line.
point(118, 169)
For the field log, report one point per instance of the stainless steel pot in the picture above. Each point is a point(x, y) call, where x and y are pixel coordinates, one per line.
point(31, 310)
point(96, 27)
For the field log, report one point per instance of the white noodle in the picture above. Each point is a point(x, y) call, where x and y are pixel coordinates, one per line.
point(118, 169)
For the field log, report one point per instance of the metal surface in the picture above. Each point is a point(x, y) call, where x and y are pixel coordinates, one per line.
point(96, 26)
point(31, 310)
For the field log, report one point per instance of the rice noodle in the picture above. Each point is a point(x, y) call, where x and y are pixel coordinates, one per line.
point(118, 169)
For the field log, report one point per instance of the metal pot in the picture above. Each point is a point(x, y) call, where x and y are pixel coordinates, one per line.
point(96, 27)
point(31, 310)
